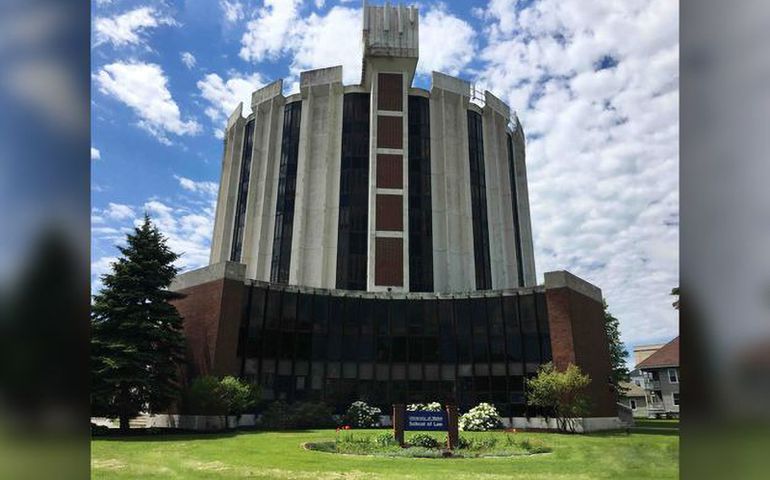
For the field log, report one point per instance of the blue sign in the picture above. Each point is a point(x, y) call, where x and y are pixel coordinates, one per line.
point(425, 420)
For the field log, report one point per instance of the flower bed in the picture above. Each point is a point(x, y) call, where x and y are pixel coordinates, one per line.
point(430, 445)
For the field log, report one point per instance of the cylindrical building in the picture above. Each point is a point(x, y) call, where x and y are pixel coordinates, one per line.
point(378, 186)
point(373, 242)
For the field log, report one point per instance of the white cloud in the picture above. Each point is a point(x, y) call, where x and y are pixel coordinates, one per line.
point(320, 3)
point(233, 10)
point(602, 145)
point(128, 28)
point(95, 154)
point(267, 34)
point(223, 95)
point(118, 211)
point(447, 43)
point(329, 40)
point(144, 88)
point(188, 59)
point(210, 188)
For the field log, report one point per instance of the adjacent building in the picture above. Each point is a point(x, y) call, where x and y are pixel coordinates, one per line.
point(373, 241)
point(656, 377)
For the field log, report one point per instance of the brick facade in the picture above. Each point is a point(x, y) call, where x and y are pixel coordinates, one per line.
point(576, 323)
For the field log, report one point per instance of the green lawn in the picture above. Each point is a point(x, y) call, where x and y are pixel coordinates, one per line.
point(278, 455)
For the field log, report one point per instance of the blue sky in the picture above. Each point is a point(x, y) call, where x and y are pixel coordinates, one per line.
point(595, 85)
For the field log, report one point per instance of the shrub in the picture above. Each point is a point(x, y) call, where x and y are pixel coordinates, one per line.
point(280, 415)
point(203, 397)
point(238, 396)
point(361, 415)
point(424, 440)
point(312, 415)
point(430, 407)
point(208, 395)
point(480, 418)
point(99, 430)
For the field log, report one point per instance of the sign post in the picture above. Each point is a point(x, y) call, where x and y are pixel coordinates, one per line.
point(427, 421)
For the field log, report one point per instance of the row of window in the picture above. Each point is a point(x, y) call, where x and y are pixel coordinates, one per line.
point(479, 202)
point(420, 206)
point(515, 208)
point(243, 192)
point(287, 182)
point(493, 340)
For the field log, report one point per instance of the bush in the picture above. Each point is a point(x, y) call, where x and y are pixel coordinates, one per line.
point(361, 415)
point(429, 407)
point(203, 397)
point(424, 440)
point(281, 416)
point(480, 418)
point(239, 397)
point(208, 395)
point(99, 430)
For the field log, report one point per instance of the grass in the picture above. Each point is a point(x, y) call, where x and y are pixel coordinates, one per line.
point(279, 455)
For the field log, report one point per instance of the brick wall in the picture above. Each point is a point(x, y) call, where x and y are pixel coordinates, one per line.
point(576, 324)
point(212, 314)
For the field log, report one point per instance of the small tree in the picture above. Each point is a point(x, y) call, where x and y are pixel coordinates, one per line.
point(136, 334)
point(618, 352)
point(559, 392)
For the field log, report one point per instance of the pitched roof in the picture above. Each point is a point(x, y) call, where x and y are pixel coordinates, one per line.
point(632, 389)
point(666, 356)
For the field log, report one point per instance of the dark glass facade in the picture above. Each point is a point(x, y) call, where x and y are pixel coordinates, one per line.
point(243, 192)
point(515, 208)
point(354, 193)
point(420, 206)
point(287, 183)
point(338, 349)
point(479, 202)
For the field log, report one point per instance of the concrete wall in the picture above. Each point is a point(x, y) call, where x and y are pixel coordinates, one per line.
point(453, 262)
point(522, 192)
point(316, 210)
point(228, 187)
point(267, 104)
point(502, 244)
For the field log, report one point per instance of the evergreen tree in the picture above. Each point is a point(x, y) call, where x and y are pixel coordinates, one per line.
point(136, 334)
point(618, 352)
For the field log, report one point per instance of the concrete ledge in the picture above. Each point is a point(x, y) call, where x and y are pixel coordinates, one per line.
point(579, 425)
point(235, 116)
point(320, 76)
point(499, 106)
point(564, 279)
point(266, 93)
point(217, 271)
point(452, 84)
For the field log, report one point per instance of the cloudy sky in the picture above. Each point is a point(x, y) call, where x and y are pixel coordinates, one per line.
point(595, 85)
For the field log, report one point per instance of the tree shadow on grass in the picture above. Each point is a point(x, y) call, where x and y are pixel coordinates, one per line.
point(174, 435)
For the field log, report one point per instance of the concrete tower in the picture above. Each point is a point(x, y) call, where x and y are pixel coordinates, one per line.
point(378, 186)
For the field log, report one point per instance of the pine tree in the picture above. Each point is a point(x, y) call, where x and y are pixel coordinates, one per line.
point(136, 334)
point(618, 352)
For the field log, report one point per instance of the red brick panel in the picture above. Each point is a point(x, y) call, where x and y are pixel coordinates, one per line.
point(390, 94)
point(577, 332)
point(212, 314)
point(389, 262)
point(390, 213)
point(390, 171)
point(390, 132)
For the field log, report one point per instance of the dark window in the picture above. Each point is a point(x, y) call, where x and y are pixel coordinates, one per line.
point(354, 193)
point(287, 182)
point(243, 192)
point(420, 206)
point(479, 202)
point(515, 208)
